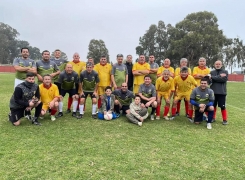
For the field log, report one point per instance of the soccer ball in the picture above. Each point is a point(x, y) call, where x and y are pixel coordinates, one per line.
point(108, 116)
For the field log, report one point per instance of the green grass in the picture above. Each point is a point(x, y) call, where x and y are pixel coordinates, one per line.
point(92, 149)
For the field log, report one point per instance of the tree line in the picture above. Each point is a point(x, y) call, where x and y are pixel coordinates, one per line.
point(197, 35)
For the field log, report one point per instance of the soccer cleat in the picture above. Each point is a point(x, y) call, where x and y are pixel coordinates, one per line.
point(213, 120)
point(41, 117)
point(35, 121)
point(224, 122)
point(171, 118)
point(152, 117)
point(80, 116)
point(74, 114)
point(29, 117)
point(209, 126)
point(177, 114)
point(94, 116)
point(191, 120)
point(68, 111)
point(166, 118)
point(52, 117)
point(60, 114)
point(157, 117)
point(140, 124)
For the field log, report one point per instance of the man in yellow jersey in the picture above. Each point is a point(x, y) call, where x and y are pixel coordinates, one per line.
point(78, 66)
point(140, 69)
point(165, 89)
point(200, 71)
point(183, 86)
point(165, 65)
point(104, 71)
point(49, 94)
point(183, 63)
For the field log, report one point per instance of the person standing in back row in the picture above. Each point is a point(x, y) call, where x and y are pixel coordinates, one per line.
point(153, 71)
point(129, 65)
point(219, 78)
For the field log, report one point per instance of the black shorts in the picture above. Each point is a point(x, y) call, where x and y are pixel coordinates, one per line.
point(85, 95)
point(220, 100)
point(16, 114)
point(144, 102)
point(58, 85)
point(71, 92)
point(198, 115)
point(124, 108)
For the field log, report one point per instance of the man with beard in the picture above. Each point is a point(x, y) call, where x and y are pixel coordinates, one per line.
point(25, 97)
point(119, 72)
point(202, 98)
point(219, 78)
point(123, 99)
point(23, 65)
point(45, 66)
point(69, 83)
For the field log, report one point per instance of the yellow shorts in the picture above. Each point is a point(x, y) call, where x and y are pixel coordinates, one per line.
point(165, 95)
point(101, 90)
point(180, 96)
point(45, 107)
point(136, 89)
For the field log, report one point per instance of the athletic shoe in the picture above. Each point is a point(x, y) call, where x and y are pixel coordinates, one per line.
point(94, 116)
point(224, 122)
point(140, 124)
point(171, 118)
point(152, 117)
point(80, 116)
point(209, 126)
point(52, 117)
point(157, 117)
point(177, 114)
point(41, 117)
point(35, 121)
point(68, 111)
point(213, 120)
point(74, 114)
point(60, 114)
point(166, 118)
point(191, 120)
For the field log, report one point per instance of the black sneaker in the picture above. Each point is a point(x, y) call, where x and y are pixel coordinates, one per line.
point(80, 116)
point(60, 114)
point(74, 114)
point(177, 114)
point(94, 116)
point(35, 122)
point(68, 111)
point(29, 117)
point(224, 122)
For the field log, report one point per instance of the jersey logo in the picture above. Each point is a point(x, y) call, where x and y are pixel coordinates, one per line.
point(30, 63)
point(51, 65)
point(72, 78)
point(207, 95)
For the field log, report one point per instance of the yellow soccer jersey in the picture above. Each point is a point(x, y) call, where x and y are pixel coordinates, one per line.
point(177, 71)
point(48, 94)
point(78, 67)
point(164, 86)
point(138, 80)
point(104, 72)
point(162, 68)
point(197, 70)
point(184, 85)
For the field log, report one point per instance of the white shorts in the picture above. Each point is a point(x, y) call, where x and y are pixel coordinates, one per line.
point(17, 82)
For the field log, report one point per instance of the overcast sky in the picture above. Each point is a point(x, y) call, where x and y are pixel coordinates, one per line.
point(70, 25)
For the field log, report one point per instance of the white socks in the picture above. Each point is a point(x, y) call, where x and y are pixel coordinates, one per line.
point(60, 106)
point(94, 108)
point(81, 107)
point(74, 105)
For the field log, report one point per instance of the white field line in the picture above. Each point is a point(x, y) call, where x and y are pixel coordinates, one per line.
point(235, 107)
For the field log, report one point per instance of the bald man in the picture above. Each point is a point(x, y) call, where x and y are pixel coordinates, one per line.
point(219, 78)
point(165, 65)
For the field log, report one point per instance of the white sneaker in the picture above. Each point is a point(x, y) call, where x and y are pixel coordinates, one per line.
point(157, 117)
point(53, 118)
point(171, 118)
point(209, 126)
point(41, 117)
point(166, 118)
point(152, 117)
point(140, 123)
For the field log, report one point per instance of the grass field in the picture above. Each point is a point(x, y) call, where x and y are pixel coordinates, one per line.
point(92, 149)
